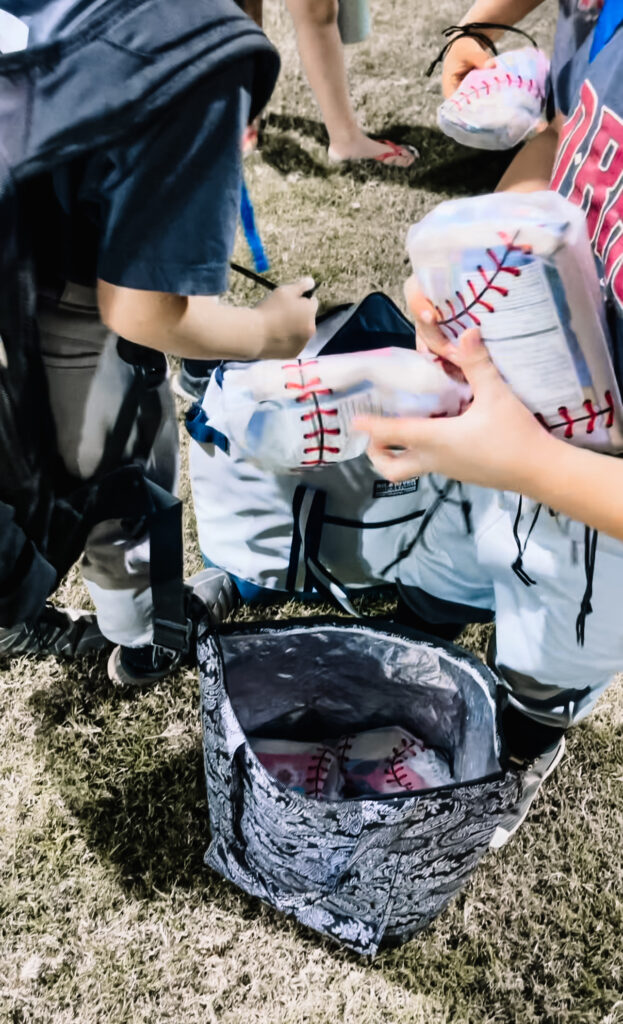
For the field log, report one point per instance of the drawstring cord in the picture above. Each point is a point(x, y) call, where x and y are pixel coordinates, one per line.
point(466, 509)
point(590, 557)
point(442, 496)
point(590, 553)
point(517, 565)
point(474, 30)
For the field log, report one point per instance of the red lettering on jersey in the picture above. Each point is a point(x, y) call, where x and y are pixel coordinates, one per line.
point(594, 180)
point(597, 177)
point(573, 133)
point(613, 262)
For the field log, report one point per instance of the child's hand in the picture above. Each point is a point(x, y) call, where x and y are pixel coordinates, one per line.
point(462, 57)
point(428, 337)
point(288, 320)
point(494, 443)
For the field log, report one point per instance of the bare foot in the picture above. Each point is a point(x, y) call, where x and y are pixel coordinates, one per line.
point(365, 148)
point(250, 137)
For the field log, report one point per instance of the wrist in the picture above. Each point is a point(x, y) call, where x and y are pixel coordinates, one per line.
point(534, 465)
point(215, 330)
point(262, 329)
point(504, 14)
point(493, 34)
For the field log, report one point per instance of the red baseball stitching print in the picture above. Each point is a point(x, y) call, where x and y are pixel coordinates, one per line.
point(343, 749)
point(312, 390)
point(464, 314)
point(529, 84)
point(568, 422)
point(318, 771)
point(395, 770)
point(484, 284)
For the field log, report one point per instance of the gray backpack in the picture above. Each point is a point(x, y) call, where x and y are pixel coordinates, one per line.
point(339, 529)
point(364, 871)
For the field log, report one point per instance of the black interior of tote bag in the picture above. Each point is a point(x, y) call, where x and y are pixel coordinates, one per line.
point(312, 681)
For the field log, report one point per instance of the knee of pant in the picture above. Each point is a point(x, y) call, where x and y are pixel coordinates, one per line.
point(318, 13)
point(437, 610)
point(548, 703)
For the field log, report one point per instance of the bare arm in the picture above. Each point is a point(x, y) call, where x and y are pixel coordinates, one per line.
point(466, 53)
point(498, 443)
point(199, 327)
point(505, 12)
point(531, 170)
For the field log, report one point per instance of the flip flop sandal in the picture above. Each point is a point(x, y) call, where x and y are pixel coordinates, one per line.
point(392, 151)
point(250, 139)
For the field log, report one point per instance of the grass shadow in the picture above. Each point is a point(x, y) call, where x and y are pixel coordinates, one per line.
point(444, 166)
point(284, 154)
point(131, 771)
point(139, 798)
point(280, 149)
point(306, 126)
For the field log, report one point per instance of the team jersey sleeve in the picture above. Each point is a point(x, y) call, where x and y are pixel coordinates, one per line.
point(168, 201)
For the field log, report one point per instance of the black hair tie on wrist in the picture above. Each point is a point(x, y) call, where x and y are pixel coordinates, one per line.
point(474, 30)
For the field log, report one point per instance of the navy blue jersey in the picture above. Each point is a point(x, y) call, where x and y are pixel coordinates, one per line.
point(159, 211)
point(53, 19)
point(588, 89)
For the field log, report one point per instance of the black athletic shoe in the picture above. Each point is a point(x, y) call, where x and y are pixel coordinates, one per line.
point(210, 592)
point(141, 666)
point(192, 380)
point(532, 779)
point(525, 738)
point(62, 632)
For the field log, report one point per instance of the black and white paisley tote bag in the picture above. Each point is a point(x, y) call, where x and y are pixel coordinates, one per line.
point(354, 771)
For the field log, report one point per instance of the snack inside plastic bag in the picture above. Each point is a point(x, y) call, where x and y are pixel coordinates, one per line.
point(296, 414)
point(308, 768)
point(389, 761)
point(500, 106)
point(521, 269)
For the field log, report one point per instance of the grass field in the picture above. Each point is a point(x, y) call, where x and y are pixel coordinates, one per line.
point(108, 914)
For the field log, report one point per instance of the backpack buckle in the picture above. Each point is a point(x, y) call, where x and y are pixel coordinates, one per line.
point(149, 365)
point(151, 376)
point(174, 636)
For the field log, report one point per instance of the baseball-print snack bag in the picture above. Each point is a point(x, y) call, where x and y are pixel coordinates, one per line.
point(295, 414)
point(367, 869)
point(307, 768)
point(390, 761)
point(500, 106)
point(377, 761)
point(521, 269)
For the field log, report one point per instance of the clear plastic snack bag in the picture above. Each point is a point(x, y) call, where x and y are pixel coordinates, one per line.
point(521, 269)
point(500, 106)
point(296, 414)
